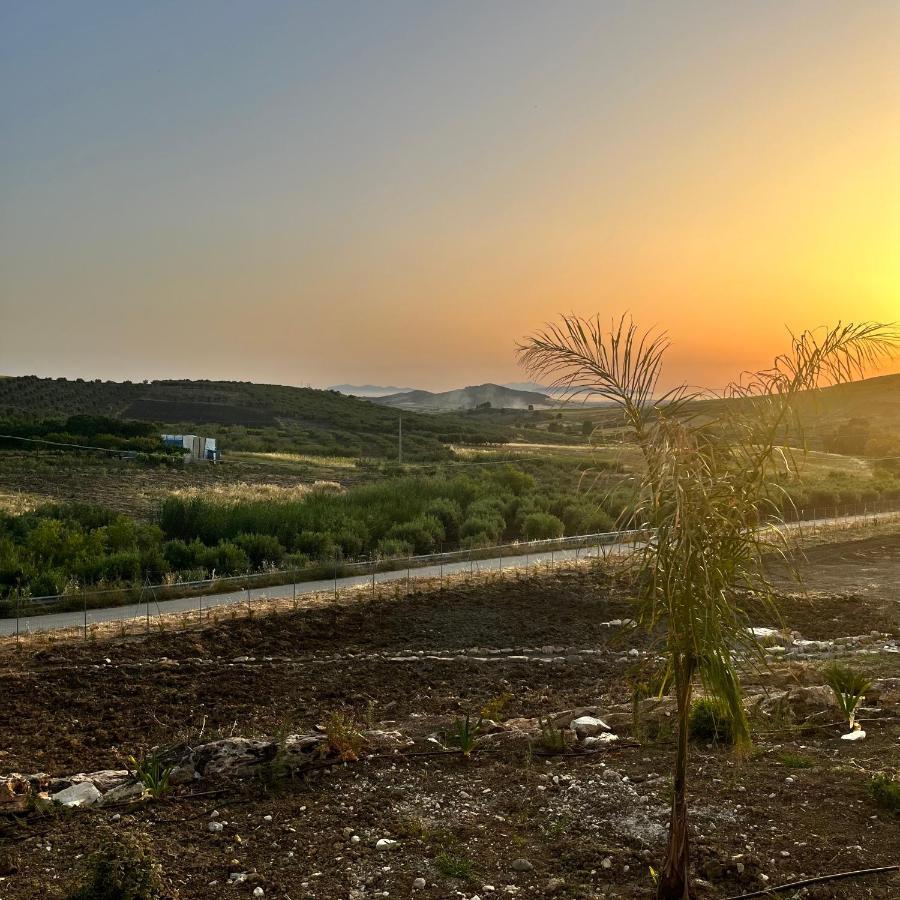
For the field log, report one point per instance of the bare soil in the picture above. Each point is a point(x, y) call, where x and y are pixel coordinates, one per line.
point(591, 824)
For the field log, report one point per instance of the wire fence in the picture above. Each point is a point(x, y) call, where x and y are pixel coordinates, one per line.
point(142, 606)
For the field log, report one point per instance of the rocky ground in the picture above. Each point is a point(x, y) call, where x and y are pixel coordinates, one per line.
point(390, 813)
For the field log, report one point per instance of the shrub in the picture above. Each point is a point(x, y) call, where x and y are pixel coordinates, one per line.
point(388, 548)
point(122, 868)
point(885, 791)
point(260, 549)
point(711, 721)
point(344, 737)
point(124, 566)
point(552, 739)
point(224, 559)
point(541, 526)
point(423, 533)
point(450, 515)
point(180, 555)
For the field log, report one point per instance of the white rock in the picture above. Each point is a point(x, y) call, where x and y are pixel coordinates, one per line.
point(858, 735)
point(215, 827)
point(83, 794)
point(762, 632)
point(386, 844)
point(258, 892)
point(133, 791)
point(587, 726)
point(599, 740)
point(418, 884)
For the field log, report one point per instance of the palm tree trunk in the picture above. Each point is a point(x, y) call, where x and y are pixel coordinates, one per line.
point(674, 883)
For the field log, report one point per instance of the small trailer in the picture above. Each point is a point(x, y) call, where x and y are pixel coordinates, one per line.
point(196, 447)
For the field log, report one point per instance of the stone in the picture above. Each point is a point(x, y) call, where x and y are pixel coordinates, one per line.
point(132, 791)
point(231, 755)
point(83, 794)
point(108, 779)
point(215, 827)
point(522, 865)
point(418, 884)
point(592, 743)
point(386, 844)
point(258, 892)
point(858, 735)
point(587, 726)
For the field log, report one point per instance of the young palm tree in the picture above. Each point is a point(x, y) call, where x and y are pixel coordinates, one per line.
point(708, 498)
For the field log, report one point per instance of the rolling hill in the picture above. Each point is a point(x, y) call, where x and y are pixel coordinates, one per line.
point(494, 395)
point(368, 391)
point(247, 416)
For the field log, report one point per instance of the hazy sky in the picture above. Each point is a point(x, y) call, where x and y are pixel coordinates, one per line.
point(396, 192)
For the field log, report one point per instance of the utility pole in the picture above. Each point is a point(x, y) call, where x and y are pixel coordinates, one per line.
point(400, 439)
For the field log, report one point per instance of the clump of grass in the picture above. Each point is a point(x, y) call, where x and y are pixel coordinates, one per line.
point(463, 734)
point(344, 737)
point(551, 739)
point(453, 865)
point(885, 791)
point(795, 761)
point(153, 773)
point(711, 721)
point(849, 688)
point(122, 868)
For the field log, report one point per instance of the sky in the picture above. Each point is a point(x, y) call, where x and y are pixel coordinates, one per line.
point(398, 192)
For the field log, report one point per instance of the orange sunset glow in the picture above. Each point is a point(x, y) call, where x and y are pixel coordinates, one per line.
point(309, 194)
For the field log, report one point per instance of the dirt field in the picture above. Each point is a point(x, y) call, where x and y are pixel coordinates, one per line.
point(30, 480)
point(591, 825)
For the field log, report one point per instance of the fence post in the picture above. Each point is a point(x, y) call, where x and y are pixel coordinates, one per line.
point(470, 562)
point(84, 604)
point(441, 564)
point(200, 598)
point(294, 588)
point(408, 564)
point(374, 566)
point(249, 610)
point(18, 602)
point(335, 578)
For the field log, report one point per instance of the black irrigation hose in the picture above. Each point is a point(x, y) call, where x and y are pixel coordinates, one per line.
point(817, 880)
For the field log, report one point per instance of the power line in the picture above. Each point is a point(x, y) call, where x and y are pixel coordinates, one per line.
point(13, 437)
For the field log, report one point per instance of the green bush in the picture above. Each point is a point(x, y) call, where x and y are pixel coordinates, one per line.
point(540, 526)
point(122, 868)
point(885, 791)
point(423, 534)
point(710, 721)
point(261, 549)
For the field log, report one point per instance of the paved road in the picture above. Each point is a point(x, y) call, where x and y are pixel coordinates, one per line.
point(76, 619)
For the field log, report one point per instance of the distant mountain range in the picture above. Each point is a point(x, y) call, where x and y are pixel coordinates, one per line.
point(375, 391)
point(368, 390)
point(496, 395)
